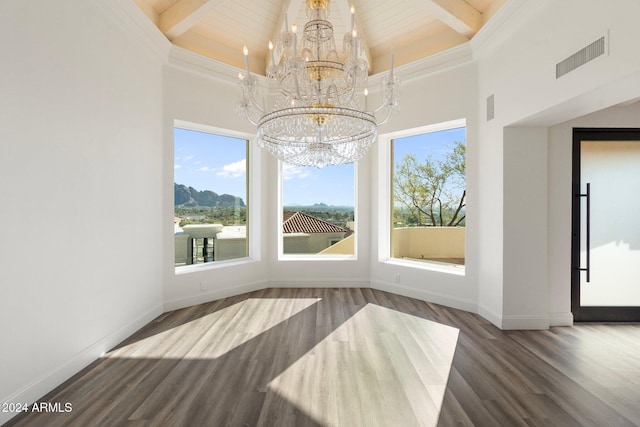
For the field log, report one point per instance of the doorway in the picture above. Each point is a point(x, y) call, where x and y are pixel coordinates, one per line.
point(605, 274)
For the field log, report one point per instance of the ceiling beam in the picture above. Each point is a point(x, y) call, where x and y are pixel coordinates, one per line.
point(184, 14)
point(291, 9)
point(344, 7)
point(457, 14)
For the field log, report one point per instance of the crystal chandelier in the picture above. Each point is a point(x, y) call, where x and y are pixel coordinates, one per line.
point(316, 118)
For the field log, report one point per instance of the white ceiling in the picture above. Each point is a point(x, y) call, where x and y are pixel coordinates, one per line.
point(411, 29)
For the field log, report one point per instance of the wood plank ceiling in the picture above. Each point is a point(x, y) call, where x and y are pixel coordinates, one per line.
point(411, 29)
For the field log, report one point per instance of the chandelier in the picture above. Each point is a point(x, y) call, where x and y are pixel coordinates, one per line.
point(317, 118)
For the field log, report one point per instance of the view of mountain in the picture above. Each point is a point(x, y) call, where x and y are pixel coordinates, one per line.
point(190, 197)
point(321, 207)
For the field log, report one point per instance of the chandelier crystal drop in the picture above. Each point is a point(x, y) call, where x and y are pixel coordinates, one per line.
point(317, 118)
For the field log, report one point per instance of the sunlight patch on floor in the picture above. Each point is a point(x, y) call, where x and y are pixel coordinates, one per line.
point(380, 367)
point(257, 315)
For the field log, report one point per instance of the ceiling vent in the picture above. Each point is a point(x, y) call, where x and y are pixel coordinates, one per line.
point(581, 57)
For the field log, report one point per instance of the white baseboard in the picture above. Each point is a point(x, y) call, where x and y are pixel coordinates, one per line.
point(525, 322)
point(213, 295)
point(421, 294)
point(500, 321)
point(52, 379)
point(561, 319)
point(490, 315)
point(512, 322)
point(319, 283)
point(216, 294)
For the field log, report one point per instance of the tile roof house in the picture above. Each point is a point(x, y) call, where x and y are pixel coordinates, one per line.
point(306, 234)
point(300, 222)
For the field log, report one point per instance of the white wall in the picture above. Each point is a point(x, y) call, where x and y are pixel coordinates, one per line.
point(525, 228)
point(203, 93)
point(86, 126)
point(80, 159)
point(517, 66)
point(428, 100)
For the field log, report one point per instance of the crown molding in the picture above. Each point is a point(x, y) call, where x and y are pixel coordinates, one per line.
point(208, 67)
point(225, 73)
point(441, 61)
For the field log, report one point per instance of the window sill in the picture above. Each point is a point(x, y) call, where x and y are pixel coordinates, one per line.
point(440, 267)
point(186, 269)
point(316, 258)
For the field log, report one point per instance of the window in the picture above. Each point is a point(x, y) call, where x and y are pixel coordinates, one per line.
point(210, 197)
point(318, 210)
point(428, 192)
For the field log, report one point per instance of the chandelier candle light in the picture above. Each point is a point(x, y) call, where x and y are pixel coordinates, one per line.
point(316, 119)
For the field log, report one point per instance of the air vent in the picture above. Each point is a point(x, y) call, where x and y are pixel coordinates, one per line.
point(490, 108)
point(581, 57)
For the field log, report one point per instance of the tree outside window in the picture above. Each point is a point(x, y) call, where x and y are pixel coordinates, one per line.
point(429, 197)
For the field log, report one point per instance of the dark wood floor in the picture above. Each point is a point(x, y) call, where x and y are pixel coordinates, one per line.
point(352, 357)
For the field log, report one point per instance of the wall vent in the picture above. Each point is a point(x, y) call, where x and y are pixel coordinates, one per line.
point(581, 57)
point(490, 108)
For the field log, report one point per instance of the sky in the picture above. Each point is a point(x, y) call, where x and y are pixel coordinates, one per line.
point(211, 162)
point(331, 185)
point(434, 144)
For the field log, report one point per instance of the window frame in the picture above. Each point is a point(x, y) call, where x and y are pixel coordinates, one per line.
point(252, 201)
point(386, 204)
point(314, 257)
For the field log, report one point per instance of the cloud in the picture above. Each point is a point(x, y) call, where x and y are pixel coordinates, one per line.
point(234, 170)
point(177, 166)
point(205, 169)
point(292, 171)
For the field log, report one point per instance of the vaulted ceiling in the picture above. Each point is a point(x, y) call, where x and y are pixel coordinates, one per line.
point(411, 29)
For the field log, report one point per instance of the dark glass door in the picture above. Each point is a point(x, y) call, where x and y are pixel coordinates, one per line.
point(606, 225)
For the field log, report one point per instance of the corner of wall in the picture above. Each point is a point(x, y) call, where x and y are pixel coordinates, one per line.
point(190, 300)
point(492, 316)
point(54, 378)
point(561, 319)
point(425, 295)
point(525, 322)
